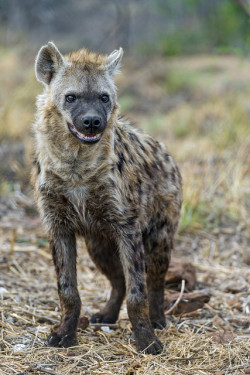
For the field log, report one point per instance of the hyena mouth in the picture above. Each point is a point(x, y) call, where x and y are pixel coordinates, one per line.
point(89, 137)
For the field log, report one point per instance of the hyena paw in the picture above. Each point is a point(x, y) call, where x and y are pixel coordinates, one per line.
point(149, 344)
point(107, 318)
point(158, 322)
point(60, 341)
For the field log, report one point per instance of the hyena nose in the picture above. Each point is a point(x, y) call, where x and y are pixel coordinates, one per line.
point(91, 122)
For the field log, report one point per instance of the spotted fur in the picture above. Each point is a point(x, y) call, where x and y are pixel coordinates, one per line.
point(122, 194)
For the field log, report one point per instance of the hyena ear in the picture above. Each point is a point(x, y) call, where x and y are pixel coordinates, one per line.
point(48, 62)
point(114, 61)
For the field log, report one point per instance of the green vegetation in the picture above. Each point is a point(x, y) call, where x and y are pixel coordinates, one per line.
point(201, 26)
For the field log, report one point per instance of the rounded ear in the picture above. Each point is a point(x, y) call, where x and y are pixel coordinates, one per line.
point(48, 62)
point(114, 61)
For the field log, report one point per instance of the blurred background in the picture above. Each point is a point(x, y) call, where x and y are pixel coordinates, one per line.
point(185, 80)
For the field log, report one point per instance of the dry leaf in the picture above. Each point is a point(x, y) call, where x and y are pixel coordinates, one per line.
point(83, 322)
point(133, 367)
point(190, 302)
point(240, 322)
point(221, 323)
point(179, 271)
point(234, 285)
point(222, 337)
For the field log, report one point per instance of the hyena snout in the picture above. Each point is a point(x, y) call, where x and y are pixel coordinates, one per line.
point(92, 122)
point(88, 127)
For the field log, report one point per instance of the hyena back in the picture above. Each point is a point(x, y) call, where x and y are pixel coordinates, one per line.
point(96, 176)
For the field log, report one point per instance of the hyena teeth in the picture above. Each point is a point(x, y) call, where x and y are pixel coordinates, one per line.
point(86, 137)
point(91, 135)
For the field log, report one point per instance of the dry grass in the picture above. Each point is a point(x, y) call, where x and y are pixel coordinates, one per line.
point(19, 89)
point(30, 306)
point(200, 108)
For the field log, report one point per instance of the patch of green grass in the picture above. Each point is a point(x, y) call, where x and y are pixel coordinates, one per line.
point(155, 123)
point(42, 242)
point(193, 217)
point(127, 103)
point(6, 187)
point(181, 130)
point(201, 215)
point(18, 105)
point(180, 81)
point(22, 240)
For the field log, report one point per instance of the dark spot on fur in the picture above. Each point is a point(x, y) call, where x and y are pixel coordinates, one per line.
point(37, 164)
point(173, 175)
point(141, 288)
point(153, 147)
point(101, 158)
point(121, 161)
point(133, 137)
point(126, 147)
point(134, 248)
point(148, 170)
point(136, 265)
point(64, 199)
point(166, 155)
point(119, 137)
point(134, 290)
point(131, 221)
point(155, 166)
point(154, 245)
point(65, 286)
point(160, 165)
point(131, 271)
point(142, 147)
point(111, 181)
point(162, 224)
point(142, 257)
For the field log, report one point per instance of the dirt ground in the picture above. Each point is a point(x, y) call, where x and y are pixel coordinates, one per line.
point(204, 119)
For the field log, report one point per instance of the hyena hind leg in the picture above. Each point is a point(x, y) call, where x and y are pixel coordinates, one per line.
point(107, 260)
point(158, 251)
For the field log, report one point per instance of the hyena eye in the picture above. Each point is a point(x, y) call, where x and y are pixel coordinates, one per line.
point(70, 98)
point(105, 98)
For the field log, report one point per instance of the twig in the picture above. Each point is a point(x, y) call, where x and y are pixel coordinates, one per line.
point(47, 371)
point(178, 299)
point(184, 359)
point(12, 244)
point(74, 365)
point(104, 325)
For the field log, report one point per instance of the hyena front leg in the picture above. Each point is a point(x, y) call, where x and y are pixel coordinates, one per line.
point(64, 257)
point(158, 251)
point(158, 243)
point(132, 257)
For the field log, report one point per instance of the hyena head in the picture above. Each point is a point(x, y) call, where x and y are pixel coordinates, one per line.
point(81, 88)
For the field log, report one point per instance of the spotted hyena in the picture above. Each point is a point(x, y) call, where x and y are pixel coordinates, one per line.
point(97, 176)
